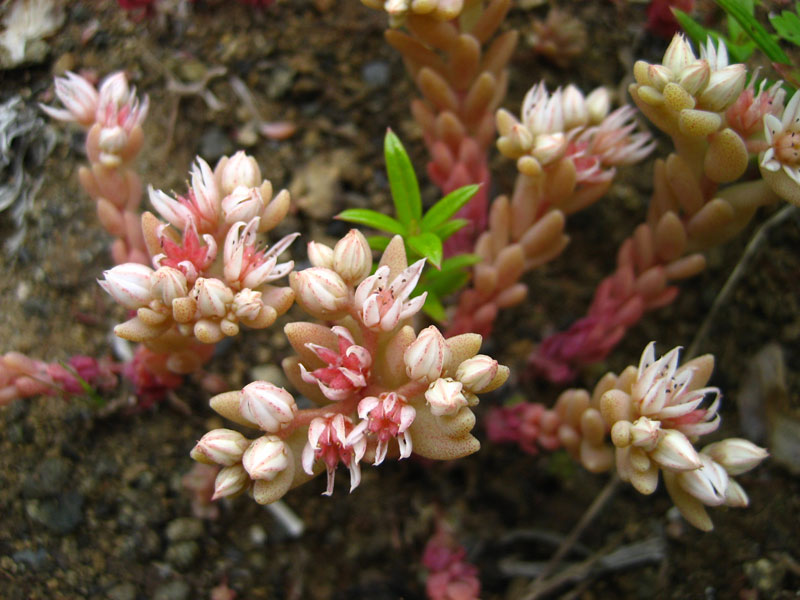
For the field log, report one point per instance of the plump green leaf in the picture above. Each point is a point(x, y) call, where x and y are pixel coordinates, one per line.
point(448, 206)
point(402, 180)
point(448, 228)
point(428, 245)
point(754, 30)
point(371, 218)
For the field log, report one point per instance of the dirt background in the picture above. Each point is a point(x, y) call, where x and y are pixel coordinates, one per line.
point(93, 505)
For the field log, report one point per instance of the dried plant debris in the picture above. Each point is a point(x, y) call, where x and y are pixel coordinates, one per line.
point(25, 143)
point(26, 23)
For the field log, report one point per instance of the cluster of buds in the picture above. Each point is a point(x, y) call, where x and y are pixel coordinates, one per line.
point(567, 124)
point(561, 38)
point(193, 291)
point(379, 388)
point(717, 124)
point(112, 116)
point(450, 575)
point(652, 416)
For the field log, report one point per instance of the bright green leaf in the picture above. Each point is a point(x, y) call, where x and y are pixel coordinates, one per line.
point(378, 242)
point(448, 228)
point(428, 245)
point(693, 29)
point(460, 261)
point(754, 30)
point(446, 282)
point(402, 180)
point(787, 25)
point(371, 218)
point(448, 206)
point(433, 308)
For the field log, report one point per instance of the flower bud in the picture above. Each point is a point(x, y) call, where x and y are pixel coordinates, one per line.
point(270, 407)
point(320, 255)
point(644, 433)
point(477, 373)
point(576, 113)
point(220, 447)
point(679, 55)
point(212, 296)
point(240, 170)
point(230, 481)
point(426, 355)
point(243, 204)
point(352, 257)
point(549, 147)
point(724, 87)
point(247, 304)
point(129, 284)
point(265, 458)
point(659, 76)
point(736, 455)
point(445, 397)
point(695, 77)
point(167, 284)
point(708, 483)
point(598, 105)
point(320, 291)
point(79, 98)
point(112, 140)
point(675, 452)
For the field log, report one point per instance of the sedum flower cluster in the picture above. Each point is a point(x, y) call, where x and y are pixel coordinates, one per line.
point(380, 388)
point(209, 273)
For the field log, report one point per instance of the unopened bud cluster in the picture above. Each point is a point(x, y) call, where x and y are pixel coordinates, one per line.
point(380, 389)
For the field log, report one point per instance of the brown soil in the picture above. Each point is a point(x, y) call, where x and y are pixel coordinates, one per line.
point(92, 503)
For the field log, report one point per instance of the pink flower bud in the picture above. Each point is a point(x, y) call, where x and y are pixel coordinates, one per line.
point(129, 284)
point(230, 481)
point(598, 105)
point(221, 447)
point(247, 304)
point(675, 452)
point(352, 257)
point(736, 455)
point(644, 433)
point(79, 98)
point(167, 283)
point(206, 194)
point(240, 170)
point(576, 113)
point(270, 407)
point(679, 55)
point(320, 255)
point(265, 458)
point(723, 88)
point(320, 291)
point(426, 355)
point(708, 483)
point(445, 397)
point(212, 296)
point(243, 204)
point(477, 373)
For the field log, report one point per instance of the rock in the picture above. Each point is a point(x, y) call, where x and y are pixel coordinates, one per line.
point(376, 73)
point(174, 590)
point(33, 559)
point(182, 554)
point(123, 591)
point(61, 515)
point(183, 529)
point(214, 145)
point(48, 478)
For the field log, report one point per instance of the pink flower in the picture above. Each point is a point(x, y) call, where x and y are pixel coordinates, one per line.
point(200, 205)
point(118, 105)
point(381, 307)
point(347, 370)
point(246, 267)
point(79, 98)
point(328, 441)
point(191, 258)
point(387, 417)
